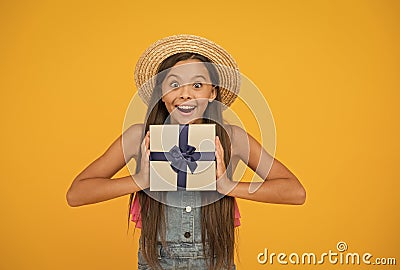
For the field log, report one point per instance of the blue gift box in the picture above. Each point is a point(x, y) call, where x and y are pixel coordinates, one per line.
point(182, 157)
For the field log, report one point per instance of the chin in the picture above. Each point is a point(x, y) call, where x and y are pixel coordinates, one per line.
point(184, 121)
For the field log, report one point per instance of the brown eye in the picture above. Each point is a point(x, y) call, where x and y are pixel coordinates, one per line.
point(197, 85)
point(174, 84)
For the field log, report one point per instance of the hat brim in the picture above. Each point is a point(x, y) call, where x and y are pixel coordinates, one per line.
point(149, 62)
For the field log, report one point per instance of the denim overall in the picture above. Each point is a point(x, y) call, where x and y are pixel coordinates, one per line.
point(183, 234)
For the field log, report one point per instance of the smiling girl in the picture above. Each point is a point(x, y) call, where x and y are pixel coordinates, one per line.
point(186, 229)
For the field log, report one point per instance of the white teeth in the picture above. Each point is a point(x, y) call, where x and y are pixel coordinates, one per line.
point(186, 107)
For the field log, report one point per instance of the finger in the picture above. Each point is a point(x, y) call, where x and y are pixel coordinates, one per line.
point(217, 143)
point(147, 140)
point(217, 147)
point(221, 149)
point(220, 160)
point(143, 147)
point(218, 156)
point(143, 144)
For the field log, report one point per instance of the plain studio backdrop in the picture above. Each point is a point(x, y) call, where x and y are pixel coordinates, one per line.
point(329, 71)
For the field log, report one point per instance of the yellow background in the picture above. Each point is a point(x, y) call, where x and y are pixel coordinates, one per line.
point(328, 69)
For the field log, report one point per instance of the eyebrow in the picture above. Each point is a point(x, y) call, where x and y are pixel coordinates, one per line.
point(195, 76)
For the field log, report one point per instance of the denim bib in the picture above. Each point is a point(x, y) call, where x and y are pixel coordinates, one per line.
point(183, 233)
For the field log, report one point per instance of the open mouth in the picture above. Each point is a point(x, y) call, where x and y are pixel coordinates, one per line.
point(186, 108)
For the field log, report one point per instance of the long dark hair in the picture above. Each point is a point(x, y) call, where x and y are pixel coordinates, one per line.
point(217, 226)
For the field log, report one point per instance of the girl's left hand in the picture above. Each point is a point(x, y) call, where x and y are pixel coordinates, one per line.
point(224, 184)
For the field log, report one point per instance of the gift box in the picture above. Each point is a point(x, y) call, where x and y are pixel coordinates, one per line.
point(182, 157)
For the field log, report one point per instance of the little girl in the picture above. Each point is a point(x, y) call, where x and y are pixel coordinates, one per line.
point(186, 79)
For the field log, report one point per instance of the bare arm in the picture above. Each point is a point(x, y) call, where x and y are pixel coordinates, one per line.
point(94, 183)
point(280, 186)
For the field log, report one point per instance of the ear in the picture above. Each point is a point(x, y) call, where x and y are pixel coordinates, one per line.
point(213, 94)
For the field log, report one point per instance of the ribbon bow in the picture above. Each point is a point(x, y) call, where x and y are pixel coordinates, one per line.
point(183, 157)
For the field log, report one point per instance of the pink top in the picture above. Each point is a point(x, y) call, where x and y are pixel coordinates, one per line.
point(135, 211)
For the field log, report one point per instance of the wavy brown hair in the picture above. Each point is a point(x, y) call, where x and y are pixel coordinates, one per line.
point(217, 216)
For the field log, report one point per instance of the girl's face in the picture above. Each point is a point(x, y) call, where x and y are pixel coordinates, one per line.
point(186, 91)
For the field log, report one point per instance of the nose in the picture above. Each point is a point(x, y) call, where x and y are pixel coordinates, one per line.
point(185, 92)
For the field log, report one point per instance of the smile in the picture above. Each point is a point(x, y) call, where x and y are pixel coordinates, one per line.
point(186, 108)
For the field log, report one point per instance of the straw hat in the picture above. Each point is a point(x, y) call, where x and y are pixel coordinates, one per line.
point(228, 71)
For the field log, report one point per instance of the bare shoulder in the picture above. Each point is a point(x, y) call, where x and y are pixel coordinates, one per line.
point(239, 138)
point(134, 130)
point(236, 133)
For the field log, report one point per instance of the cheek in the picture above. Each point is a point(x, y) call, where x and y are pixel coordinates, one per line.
point(167, 98)
point(210, 93)
point(202, 103)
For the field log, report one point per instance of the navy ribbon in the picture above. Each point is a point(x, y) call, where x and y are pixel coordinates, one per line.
point(183, 156)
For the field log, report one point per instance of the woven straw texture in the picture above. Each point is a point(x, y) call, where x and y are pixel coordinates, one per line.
point(148, 63)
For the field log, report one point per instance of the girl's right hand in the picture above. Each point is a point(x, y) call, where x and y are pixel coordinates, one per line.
point(142, 178)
